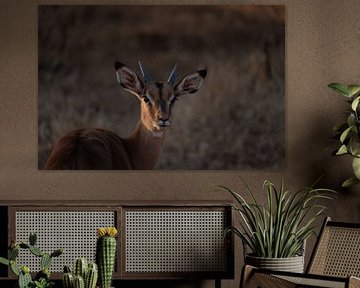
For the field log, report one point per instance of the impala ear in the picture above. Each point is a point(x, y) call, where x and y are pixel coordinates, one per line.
point(190, 83)
point(128, 79)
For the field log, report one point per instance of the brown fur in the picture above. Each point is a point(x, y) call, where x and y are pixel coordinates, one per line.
point(99, 149)
point(95, 149)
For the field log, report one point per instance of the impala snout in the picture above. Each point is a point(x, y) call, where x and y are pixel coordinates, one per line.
point(163, 123)
point(163, 115)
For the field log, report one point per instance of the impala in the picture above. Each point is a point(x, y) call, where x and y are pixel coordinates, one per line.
point(93, 148)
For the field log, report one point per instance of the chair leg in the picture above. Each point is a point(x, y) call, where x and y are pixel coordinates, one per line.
point(217, 283)
point(246, 273)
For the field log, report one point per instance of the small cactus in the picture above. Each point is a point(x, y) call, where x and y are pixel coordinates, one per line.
point(91, 276)
point(32, 239)
point(24, 278)
point(79, 282)
point(25, 269)
point(44, 273)
point(36, 251)
point(45, 261)
point(67, 269)
point(24, 245)
point(68, 280)
point(106, 254)
point(81, 267)
point(13, 253)
point(57, 252)
point(14, 268)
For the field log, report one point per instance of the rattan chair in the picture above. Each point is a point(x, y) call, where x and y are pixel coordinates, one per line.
point(334, 263)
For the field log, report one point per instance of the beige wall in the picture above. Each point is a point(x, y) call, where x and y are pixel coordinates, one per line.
point(322, 46)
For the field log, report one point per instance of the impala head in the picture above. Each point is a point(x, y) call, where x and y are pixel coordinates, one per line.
point(157, 98)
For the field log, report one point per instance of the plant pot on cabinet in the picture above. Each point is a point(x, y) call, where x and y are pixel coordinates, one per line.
point(291, 264)
point(276, 232)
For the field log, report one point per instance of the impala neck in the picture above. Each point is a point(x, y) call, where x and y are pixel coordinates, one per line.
point(144, 147)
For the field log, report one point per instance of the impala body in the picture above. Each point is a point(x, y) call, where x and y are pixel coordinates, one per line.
point(99, 149)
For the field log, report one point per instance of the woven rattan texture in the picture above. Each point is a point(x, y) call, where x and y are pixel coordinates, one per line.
point(75, 231)
point(305, 282)
point(338, 253)
point(175, 241)
point(267, 280)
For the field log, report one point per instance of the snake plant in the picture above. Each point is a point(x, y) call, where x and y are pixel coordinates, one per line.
point(279, 228)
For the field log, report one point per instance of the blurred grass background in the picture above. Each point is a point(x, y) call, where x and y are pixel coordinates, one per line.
point(236, 121)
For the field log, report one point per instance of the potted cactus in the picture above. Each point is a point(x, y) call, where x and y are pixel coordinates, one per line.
point(106, 254)
point(84, 275)
point(42, 278)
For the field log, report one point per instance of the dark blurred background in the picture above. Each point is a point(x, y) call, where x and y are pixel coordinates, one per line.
point(235, 122)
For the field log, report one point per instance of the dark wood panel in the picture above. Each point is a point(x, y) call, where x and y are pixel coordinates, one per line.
point(106, 203)
point(3, 239)
point(126, 283)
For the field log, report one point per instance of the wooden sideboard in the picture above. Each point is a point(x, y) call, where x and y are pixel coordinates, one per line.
point(157, 240)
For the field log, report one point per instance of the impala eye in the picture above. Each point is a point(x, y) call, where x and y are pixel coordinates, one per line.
point(146, 100)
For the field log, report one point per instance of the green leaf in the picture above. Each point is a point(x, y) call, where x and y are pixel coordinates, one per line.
point(345, 134)
point(14, 268)
point(13, 253)
point(341, 127)
point(25, 269)
point(354, 145)
point(32, 238)
point(24, 280)
point(351, 120)
point(36, 251)
point(57, 252)
point(349, 182)
point(340, 88)
point(353, 89)
point(342, 150)
point(4, 261)
point(355, 103)
point(356, 167)
point(23, 245)
point(45, 261)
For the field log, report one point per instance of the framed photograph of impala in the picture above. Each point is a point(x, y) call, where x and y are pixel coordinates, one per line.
point(154, 87)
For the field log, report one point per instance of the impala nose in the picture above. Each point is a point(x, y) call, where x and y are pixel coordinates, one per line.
point(163, 122)
point(163, 119)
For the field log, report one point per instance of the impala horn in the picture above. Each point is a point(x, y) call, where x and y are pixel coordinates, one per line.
point(145, 74)
point(172, 76)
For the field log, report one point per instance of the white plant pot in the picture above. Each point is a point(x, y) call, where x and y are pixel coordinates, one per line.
point(291, 264)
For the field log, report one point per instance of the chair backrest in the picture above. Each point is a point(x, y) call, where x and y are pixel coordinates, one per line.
point(337, 251)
